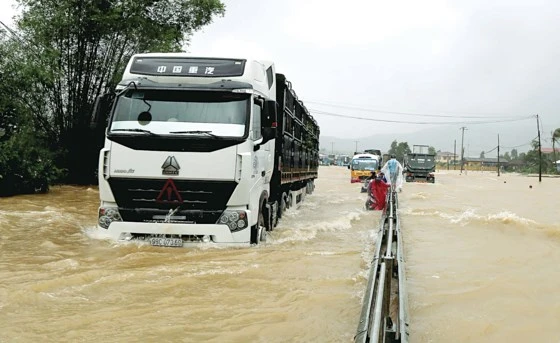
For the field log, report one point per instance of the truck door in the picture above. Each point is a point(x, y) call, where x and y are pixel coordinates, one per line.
point(262, 158)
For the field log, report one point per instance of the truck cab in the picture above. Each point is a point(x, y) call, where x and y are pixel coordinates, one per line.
point(190, 151)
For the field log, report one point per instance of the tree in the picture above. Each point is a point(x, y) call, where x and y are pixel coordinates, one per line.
point(26, 165)
point(532, 157)
point(402, 150)
point(432, 150)
point(77, 50)
point(482, 154)
point(555, 136)
point(507, 157)
point(532, 160)
point(399, 150)
point(514, 155)
point(393, 148)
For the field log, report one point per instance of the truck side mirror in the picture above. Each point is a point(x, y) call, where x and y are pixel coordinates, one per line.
point(268, 120)
point(101, 109)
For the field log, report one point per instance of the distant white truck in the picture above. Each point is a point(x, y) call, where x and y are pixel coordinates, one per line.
point(202, 150)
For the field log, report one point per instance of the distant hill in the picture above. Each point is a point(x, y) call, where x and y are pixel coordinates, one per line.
point(477, 138)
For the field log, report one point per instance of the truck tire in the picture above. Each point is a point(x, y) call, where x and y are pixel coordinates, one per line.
point(289, 200)
point(258, 231)
point(283, 205)
point(274, 218)
point(268, 217)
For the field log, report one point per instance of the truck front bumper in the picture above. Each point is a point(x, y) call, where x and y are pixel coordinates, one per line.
point(190, 233)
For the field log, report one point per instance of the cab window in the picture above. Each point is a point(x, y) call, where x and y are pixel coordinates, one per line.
point(256, 126)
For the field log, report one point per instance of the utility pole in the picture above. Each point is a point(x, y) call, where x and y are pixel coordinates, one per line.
point(462, 148)
point(332, 148)
point(356, 149)
point(554, 152)
point(498, 154)
point(540, 152)
point(455, 154)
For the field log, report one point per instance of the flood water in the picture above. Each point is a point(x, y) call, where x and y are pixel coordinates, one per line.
point(483, 265)
point(483, 258)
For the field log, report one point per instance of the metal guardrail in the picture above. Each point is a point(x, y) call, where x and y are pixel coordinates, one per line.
point(384, 316)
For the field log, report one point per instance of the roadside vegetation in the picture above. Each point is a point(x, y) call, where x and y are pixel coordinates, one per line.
point(61, 55)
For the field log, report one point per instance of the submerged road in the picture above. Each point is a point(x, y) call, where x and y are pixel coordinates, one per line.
point(482, 266)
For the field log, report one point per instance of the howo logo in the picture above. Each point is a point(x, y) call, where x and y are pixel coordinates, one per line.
point(170, 166)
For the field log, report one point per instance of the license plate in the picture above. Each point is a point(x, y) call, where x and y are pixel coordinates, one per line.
point(166, 242)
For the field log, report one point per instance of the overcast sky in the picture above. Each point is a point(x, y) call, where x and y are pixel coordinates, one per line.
point(456, 58)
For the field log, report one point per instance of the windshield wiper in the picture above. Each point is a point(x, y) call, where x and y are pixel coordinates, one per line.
point(196, 132)
point(136, 130)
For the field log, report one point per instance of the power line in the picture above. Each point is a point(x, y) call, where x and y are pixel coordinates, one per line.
point(12, 32)
point(409, 113)
point(417, 122)
point(518, 146)
point(509, 147)
point(22, 40)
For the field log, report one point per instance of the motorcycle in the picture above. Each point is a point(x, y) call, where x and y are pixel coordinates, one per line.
point(365, 186)
point(371, 204)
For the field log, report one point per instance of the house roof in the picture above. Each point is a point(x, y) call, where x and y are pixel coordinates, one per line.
point(485, 160)
point(549, 150)
point(445, 154)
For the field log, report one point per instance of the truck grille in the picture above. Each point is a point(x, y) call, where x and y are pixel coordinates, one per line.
point(142, 200)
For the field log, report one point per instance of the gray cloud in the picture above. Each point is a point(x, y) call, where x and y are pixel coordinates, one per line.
point(440, 57)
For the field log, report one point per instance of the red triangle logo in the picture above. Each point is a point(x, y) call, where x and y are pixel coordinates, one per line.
point(169, 193)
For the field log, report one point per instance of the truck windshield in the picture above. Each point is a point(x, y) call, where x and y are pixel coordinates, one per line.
point(219, 113)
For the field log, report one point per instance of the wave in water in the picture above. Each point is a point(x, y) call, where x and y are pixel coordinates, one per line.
point(505, 218)
point(470, 215)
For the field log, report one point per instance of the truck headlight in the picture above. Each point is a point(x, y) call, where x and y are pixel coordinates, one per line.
point(235, 220)
point(107, 215)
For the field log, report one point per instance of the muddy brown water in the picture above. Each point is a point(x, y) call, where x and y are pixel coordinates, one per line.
point(483, 265)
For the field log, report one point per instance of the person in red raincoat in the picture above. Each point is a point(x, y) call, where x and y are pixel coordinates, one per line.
point(379, 189)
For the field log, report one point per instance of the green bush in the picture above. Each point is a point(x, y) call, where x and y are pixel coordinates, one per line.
point(26, 166)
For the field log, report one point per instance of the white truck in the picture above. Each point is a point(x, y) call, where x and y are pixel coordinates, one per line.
point(202, 150)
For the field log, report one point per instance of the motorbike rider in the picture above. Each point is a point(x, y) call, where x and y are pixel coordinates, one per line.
point(378, 191)
point(365, 185)
point(381, 175)
point(394, 169)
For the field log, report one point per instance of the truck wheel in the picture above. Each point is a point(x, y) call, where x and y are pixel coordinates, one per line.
point(283, 205)
point(258, 232)
point(289, 200)
point(274, 211)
